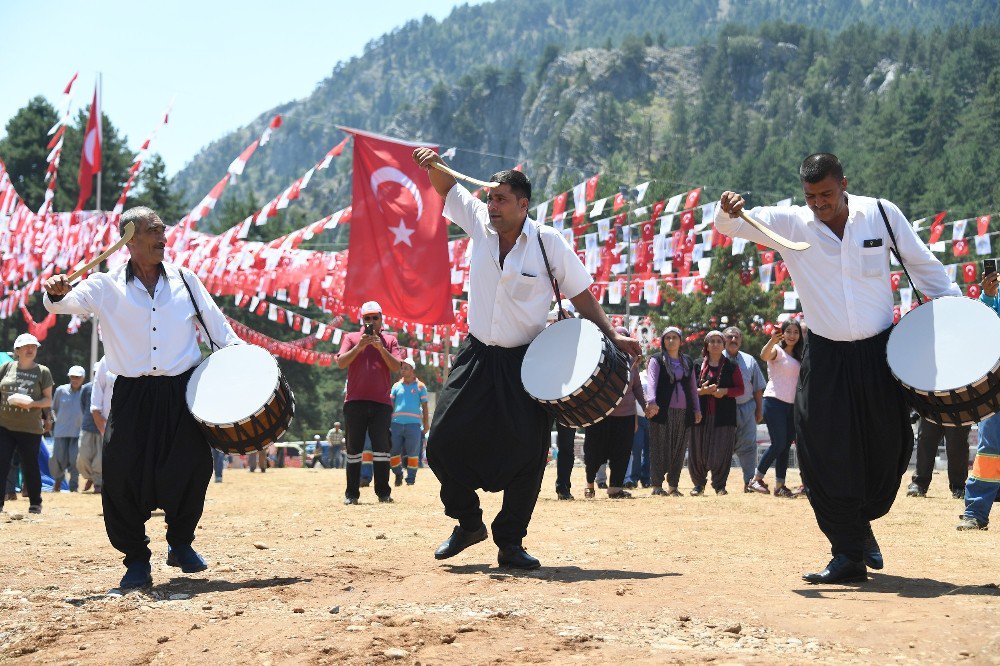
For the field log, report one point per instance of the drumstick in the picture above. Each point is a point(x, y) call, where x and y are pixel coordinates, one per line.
point(777, 238)
point(441, 166)
point(127, 234)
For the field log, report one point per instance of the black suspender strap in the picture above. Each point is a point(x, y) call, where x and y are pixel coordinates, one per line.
point(552, 279)
point(894, 249)
point(197, 312)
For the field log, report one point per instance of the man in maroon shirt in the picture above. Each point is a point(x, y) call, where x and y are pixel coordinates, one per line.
point(370, 357)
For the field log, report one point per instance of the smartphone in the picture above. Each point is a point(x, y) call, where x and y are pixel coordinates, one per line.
point(989, 266)
point(370, 328)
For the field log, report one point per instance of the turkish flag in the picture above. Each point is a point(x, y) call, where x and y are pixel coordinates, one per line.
point(937, 227)
point(90, 156)
point(399, 241)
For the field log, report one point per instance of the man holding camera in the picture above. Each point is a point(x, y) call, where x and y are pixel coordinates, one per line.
point(370, 357)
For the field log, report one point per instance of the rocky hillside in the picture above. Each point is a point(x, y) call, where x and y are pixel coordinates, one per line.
point(562, 85)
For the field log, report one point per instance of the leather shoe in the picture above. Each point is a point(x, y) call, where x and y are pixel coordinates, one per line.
point(137, 576)
point(516, 557)
point(459, 540)
point(841, 569)
point(187, 558)
point(873, 554)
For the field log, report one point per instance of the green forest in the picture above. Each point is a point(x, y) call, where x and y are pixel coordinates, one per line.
point(913, 111)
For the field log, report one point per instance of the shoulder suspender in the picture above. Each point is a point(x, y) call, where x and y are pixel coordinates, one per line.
point(552, 279)
point(894, 249)
point(197, 312)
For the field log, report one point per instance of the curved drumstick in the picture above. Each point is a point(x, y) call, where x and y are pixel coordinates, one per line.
point(777, 238)
point(127, 234)
point(441, 166)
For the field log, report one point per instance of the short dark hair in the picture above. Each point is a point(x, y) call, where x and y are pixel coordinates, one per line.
point(519, 183)
point(135, 215)
point(818, 166)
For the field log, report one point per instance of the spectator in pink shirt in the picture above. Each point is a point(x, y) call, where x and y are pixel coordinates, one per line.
point(783, 353)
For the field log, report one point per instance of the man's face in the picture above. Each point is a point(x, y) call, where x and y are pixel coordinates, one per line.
point(408, 372)
point(75, 382)
point(374, 319)
point(826, 198)
point(733, 341)
point(507, 212)
point(149, 241)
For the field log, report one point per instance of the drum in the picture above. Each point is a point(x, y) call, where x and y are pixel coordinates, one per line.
point(575, 372)
point(946, 356)
point(239, 398)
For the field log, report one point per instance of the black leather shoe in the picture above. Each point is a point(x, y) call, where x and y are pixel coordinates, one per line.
point(564, 495)
point(516, 557)
point(350, 500)
point(386, 500)
point(841, 569)
point(873, 554)
point(459, 540)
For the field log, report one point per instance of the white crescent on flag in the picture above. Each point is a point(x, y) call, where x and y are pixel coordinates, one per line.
point(89, 144)
point(388, 174)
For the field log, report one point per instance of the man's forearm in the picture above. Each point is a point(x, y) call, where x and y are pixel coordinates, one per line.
point(345, 359)
point(590, 309)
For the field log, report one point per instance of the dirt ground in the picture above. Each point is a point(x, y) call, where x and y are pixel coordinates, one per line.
point(296, 577)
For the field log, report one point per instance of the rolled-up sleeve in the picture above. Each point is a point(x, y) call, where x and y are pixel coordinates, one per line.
point(572, 275)
point(463, 209)
point(83, 299)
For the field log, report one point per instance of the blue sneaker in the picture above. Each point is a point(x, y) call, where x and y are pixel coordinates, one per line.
point(137, 576)
point(187, 558)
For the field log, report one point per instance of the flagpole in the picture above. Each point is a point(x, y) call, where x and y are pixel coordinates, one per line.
point(100, 134)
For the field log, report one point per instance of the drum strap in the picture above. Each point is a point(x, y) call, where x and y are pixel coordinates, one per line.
point(552, 279)
point(894, 248)
point(197, 312)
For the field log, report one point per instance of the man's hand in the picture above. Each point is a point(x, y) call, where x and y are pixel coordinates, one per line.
point(731, 203)
point(57, 285)
point(628, 345)
point(759, 416)
point(366, 340)
point(989, 284)
point(425, 158)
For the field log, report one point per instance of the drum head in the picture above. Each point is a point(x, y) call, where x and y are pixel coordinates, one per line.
point(561, 359)
point(946, 344)
point(232, 384)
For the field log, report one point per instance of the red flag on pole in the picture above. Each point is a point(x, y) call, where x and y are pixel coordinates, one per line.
point(399, 241)
point(90, 156)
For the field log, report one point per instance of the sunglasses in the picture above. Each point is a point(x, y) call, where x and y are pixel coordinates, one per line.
point(371, 317)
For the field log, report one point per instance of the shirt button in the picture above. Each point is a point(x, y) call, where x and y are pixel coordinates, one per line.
point(154, 309)
point(154, 348)
point(154, 328)
point(154, 367)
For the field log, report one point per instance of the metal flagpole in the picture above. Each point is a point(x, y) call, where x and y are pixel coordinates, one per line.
point(100, 134)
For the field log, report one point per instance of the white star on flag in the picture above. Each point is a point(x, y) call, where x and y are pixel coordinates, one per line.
point(402, 234)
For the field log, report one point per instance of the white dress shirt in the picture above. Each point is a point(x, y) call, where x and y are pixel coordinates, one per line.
point(146, 335)
point(102, 388)
point(844, 284)
point(508, 306)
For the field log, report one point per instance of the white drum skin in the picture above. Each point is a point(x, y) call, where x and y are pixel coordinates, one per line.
point(232, 384)
point(561, 359)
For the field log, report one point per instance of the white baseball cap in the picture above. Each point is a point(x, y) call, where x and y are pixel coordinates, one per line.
point(26, 339)
point(409, 362)
point(371, 307)
point(76, 371)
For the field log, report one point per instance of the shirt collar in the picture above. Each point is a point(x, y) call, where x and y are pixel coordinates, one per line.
point(164, 271)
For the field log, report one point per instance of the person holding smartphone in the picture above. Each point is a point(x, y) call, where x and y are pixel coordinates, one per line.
point(984, 481)
point(371, 357)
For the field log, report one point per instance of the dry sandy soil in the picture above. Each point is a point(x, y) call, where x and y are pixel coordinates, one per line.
point(296, 577)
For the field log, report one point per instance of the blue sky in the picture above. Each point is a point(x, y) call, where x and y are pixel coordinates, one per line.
point(223, 63)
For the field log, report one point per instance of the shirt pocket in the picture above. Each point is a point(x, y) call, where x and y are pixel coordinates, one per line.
point(523, 287)
point(873, 263)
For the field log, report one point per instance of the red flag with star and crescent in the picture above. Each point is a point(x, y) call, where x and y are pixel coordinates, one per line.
point(399, 241)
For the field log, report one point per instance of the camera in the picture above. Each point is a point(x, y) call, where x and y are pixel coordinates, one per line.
point(369, 329)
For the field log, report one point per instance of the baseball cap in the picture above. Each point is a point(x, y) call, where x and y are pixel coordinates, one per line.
point(76, 371)
point(26, 339)
point(409, 362)
point(371, 307)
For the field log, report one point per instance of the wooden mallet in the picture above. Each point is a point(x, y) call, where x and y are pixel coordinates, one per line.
point(127, 234)
point(441, 166)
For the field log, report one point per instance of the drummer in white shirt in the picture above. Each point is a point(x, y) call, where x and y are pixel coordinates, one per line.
point(852, 425)
point(487, 432)
point(155, 455)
